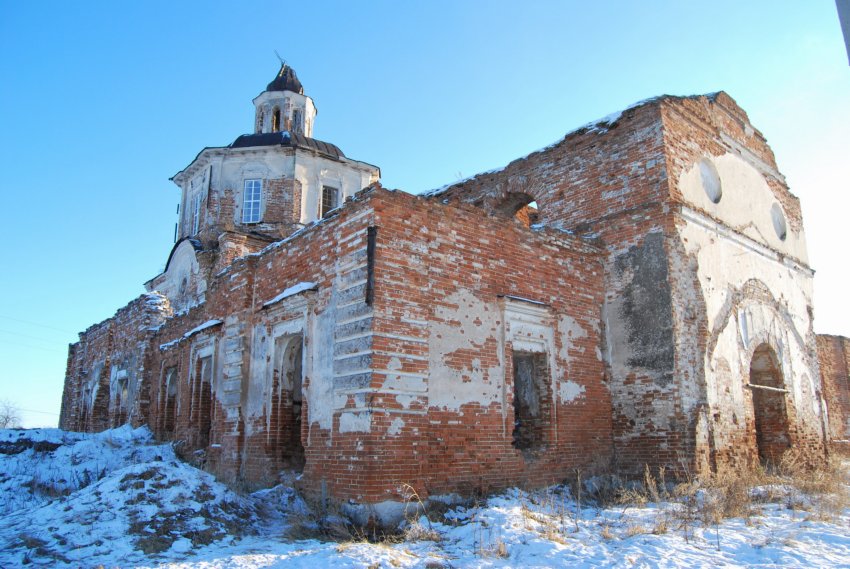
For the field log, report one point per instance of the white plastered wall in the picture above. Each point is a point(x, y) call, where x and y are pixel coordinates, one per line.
point(472, 326)
point(268, 100)
point(755, 287)
point(259, 396)
point(314, 171)
point(745, 202)
point(231, 169)
point(182, 282)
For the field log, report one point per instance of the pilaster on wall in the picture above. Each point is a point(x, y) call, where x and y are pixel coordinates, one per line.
point(834, 355)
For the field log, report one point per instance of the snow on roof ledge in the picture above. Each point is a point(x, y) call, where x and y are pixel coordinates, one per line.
point(523, 299)
point(292, 291)
point(190, 333)
point(599, 126)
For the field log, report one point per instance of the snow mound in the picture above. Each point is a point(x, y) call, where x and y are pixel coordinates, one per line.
point(118, 499)
point(131, 515)
point(39, 465)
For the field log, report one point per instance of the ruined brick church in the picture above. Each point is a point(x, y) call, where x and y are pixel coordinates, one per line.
point(637, 293)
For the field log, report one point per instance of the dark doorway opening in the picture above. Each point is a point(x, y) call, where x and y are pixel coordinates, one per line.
point(169, 424)
point(287, 404)
point(769, 406)
point(532, 401)
point(202, 400)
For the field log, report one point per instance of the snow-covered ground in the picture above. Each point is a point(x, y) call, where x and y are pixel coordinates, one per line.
point(118, 499)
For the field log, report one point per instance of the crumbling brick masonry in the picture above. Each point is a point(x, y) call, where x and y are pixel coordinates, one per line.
point(637, 294)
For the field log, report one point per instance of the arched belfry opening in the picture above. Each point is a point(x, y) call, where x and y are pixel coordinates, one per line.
point(287, 400)
point(520, 206)
point(276, 119)
point(769, 407)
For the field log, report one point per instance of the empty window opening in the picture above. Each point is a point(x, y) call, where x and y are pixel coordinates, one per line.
point(169, 406)
point(527, 215)
point(251, 201)
point(287, 113)
point(123, 400)
point(769, 410)
point(297, 121)
point(520, 206)
point(201, 412)
point(89, 396)
point(532, 400)
point(196, 213)
point(371, 242)
point(330, 200)
point(120, 398)
point(276, 119)
point(287, 399)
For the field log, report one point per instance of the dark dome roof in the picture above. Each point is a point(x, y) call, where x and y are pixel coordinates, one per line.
point(291, 139)
point(286, 80)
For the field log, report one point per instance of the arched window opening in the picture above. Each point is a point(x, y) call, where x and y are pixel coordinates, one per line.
point(287, 400)
point(169, 425)
point(276, 119)
point(769, 407)
point(521, 207)
point(202, 401)
point(120, 397)
point(297, 121)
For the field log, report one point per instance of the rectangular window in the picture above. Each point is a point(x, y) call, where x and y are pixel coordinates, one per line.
point(251, 201)
point(196, 213)
point(371, 239)
point(330, 200)
point(532, 401)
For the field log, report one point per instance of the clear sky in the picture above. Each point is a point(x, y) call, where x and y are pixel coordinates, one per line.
point(101, 102)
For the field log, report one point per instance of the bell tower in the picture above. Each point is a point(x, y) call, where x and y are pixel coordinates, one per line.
point(283, 106)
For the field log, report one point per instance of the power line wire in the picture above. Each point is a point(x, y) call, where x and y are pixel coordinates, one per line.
point(31, 323)
point(32, 347)
point(39, 338)
point(42, 412)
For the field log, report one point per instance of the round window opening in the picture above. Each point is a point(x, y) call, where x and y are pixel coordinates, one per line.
point(710, 180)
point(779, 224)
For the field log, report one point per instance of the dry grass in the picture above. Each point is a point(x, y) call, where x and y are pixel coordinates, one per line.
point(683, 507)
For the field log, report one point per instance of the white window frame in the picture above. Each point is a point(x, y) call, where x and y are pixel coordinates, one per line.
point(252, 200)
point(196, 212)
point(323, 211)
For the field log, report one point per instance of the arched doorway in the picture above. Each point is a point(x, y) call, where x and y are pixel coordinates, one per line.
point(287, 403)
point(769, 407)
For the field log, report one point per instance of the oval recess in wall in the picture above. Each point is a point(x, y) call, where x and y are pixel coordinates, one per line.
point(710, 180)
point(779, 224)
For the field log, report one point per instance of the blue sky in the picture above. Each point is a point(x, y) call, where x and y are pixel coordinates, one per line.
point(100, 103)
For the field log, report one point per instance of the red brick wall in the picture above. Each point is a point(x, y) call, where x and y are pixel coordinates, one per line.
point(426, 254)
point(120, 342)
point(245, 434)
point(610, 181)
point(834, 356)
point(695, 127)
